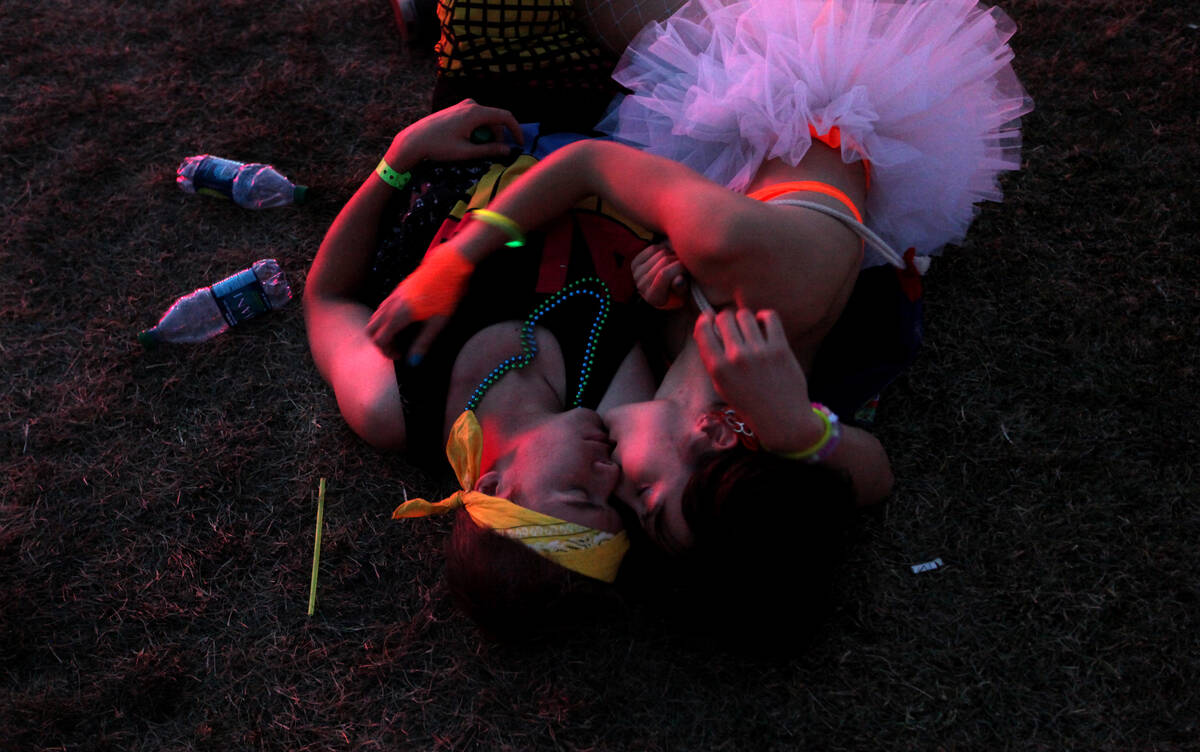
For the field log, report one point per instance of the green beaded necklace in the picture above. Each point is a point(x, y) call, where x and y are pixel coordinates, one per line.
point(529, 349)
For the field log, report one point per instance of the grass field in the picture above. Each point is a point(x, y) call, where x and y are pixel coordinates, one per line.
point(157, 508)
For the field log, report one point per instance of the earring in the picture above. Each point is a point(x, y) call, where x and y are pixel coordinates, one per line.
point(744, 433)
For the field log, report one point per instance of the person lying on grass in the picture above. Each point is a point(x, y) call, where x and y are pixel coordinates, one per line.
point(516, 441)
point(513, 385)
point(902, 115)
point(742, 357)
point(811, 122)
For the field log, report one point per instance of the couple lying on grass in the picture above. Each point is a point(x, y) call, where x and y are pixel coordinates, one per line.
point(472, 298)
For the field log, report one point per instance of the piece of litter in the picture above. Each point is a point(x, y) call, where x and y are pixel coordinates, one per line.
point(312, 586)
point(927, 566)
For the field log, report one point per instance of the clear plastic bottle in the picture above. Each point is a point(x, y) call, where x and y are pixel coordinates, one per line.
point(210, 311)
point(252, 186)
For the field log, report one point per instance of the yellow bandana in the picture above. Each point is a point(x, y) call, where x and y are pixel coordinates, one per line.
point(581, 549)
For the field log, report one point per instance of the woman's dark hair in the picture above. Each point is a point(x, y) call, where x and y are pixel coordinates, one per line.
point(511, 592)
point(769, 540)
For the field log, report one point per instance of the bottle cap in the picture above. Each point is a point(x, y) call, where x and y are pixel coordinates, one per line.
point(147, 338)
point(300, 194)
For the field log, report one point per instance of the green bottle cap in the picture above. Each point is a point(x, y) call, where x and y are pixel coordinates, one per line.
point(147, 338)
point(300, 194)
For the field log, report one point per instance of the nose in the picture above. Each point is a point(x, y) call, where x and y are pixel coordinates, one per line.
point(591, 417)
point(607, 475)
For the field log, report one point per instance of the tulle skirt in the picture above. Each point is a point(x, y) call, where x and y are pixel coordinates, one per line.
point(925, 90)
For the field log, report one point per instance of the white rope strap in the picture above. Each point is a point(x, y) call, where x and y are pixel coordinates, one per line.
point(701, 301)
point(864, 232)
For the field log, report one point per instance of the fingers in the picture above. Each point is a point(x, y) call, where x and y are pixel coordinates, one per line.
point(504, 119)
point(664, 278)
point(772, 325)
point(430, 294)
point(465, 131)
point(730, 328)
point(730, 333)
point(707, 339)
point(384, 325)
point(420, 346)
point(659, 275)
point(495, 118)
point(647, 258)
point(674, 283)
point(748, 324)
point(498, 149)
point(745, 326)
point(717, 333)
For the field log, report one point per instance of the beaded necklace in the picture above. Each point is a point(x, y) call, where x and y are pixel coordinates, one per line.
point(529, 348)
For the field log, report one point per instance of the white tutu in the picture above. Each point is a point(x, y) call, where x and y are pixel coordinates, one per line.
point(925, 90)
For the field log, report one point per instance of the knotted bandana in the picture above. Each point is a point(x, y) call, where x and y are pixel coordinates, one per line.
point(590, 552)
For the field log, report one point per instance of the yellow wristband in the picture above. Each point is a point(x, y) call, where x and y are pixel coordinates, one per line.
point(824, 446)
point(395, 179)
point(499, 221)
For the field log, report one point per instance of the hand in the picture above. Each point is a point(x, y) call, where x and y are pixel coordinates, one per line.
point(660, 277)
point(430, 294)
point(446, 135)
point(753, 368)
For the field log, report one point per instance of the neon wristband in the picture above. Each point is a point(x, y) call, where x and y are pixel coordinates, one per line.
point(824, 447)
point(499, 221)
point(395, 179)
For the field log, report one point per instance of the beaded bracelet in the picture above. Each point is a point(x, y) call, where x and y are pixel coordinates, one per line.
point(395, 179)
point(824, 447)
point(499, 221)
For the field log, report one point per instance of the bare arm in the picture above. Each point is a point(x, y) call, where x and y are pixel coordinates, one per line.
point(725, 240)
point(754, 370)
point(363, 379)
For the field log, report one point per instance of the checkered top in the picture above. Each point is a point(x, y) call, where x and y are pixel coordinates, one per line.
point(540, 40)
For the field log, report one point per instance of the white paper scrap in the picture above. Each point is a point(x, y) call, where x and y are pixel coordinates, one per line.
point(927, 566)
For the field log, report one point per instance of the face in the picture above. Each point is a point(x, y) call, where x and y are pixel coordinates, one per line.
point(563, 467)
point(656, 448)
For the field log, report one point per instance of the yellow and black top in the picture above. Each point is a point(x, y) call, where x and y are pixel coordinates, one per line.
point(523, 55)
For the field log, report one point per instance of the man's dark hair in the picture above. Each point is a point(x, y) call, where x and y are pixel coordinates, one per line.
point(769, 541)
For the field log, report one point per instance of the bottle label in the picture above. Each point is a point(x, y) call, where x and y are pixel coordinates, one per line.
point(214, 177)
point(241, 297)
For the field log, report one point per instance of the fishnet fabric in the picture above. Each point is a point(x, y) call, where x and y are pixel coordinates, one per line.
point(539, 40)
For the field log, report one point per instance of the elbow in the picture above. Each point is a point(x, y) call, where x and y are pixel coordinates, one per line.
point(877, 487)
point(376, 416)
point(887, 482)
point(576, 160)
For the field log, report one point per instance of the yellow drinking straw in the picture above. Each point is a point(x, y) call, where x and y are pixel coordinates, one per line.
point(312, 588)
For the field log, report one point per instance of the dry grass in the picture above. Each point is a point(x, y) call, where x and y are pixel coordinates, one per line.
point(156, 509)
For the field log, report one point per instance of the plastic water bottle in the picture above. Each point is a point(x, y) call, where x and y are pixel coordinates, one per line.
point(252, 186)
point(210, 311)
